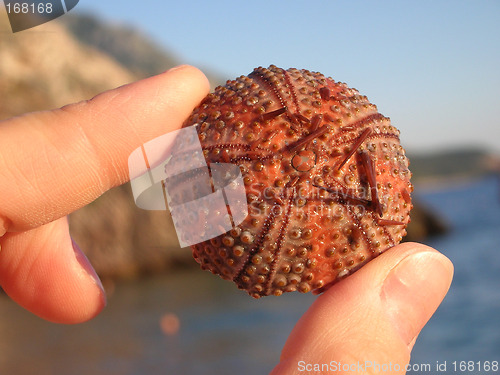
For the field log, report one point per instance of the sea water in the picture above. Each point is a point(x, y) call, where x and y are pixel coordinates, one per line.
point(466, 328)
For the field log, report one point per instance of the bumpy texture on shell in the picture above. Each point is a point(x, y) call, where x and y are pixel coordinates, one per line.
point(327, 182)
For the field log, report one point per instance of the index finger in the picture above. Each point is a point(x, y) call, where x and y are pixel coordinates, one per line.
point(54, 162)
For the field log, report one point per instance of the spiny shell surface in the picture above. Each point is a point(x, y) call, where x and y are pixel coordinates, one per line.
point(310, 151)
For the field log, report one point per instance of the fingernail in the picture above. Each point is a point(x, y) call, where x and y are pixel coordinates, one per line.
point(85, 264)
point(414, 289)
point(178, 67)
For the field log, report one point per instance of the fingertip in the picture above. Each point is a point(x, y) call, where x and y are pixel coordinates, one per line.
point(81, 297)
point(413, 290)
point(375, 314)
point(190, 73)
point(42, 272)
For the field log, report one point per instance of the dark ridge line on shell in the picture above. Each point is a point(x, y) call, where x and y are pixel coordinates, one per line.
point(300, 119)
point(290, 86)
point(227, 145)
point(386, 232)
point(359, 141)
point(343, 192)
point(247, 148)
point(336, 182)
point(336, 142)
point(367, 120)
point(383, 135)
point(342, 196)
point(260, 78)
point(269, 116)
point(377, 116)
point(266, 227)
point(182, 178)
point(250, 158)
point(358, 224)
point(279, 243)
point(264, 140)
point(308, 138)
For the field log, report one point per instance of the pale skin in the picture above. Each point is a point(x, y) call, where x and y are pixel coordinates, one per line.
point(54, 162)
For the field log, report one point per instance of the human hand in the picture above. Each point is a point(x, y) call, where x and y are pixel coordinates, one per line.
point(54, 162)
point(372, 317)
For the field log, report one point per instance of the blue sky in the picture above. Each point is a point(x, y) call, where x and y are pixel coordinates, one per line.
point(432, 66)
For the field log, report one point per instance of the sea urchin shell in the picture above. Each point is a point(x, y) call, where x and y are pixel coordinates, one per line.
point(327, 181)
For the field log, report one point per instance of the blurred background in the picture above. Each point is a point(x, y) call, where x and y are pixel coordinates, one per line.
point(432, 66)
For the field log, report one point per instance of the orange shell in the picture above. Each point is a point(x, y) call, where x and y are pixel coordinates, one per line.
point(327, 181)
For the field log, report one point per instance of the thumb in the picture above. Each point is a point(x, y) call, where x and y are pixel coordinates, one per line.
point(372, 318)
